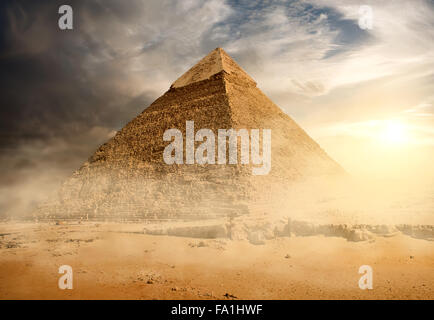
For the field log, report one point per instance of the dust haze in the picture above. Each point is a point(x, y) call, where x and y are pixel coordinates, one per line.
point(83, 183)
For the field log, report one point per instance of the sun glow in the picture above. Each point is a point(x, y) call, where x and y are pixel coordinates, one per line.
point(394, 132)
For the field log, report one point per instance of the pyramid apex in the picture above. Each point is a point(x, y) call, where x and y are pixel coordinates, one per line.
point(214, 62)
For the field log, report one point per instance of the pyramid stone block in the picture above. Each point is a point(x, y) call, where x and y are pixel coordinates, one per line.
point(127, 178)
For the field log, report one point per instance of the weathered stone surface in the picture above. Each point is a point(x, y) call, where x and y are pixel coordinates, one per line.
point(127, 178)
point(204, 232)
point(257, 230)
point(383, 230)
point(425, 232)
point(238, 232)
point(359, 235)
point(190, 230)
point(256, 238)
point(282, 228)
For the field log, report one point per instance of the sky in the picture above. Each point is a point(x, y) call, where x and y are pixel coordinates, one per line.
point(365, 95)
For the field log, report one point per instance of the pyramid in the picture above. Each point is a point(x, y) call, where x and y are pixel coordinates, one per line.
point(127, 177)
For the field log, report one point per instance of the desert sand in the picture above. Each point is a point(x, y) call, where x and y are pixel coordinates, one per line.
point(119, 261)
point(127, 177)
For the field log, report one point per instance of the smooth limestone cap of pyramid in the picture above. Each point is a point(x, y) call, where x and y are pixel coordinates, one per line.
point(215, 62)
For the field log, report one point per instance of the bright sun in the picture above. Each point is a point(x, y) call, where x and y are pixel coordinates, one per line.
point(394, 132)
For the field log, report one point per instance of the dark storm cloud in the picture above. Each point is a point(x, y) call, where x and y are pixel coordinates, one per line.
point(47, 89)
point(59, 98)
